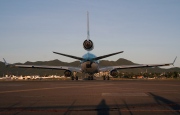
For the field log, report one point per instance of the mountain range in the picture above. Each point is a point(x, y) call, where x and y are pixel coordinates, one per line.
point(44, 72)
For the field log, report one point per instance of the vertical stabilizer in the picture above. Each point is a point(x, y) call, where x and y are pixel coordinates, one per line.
point(88, 44)
point(88, 36)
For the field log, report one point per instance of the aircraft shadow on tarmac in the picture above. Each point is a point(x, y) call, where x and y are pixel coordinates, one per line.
point(102, 108)
point(163, 101)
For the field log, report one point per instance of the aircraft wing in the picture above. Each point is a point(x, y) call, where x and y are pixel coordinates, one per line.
point(135, 66)
point(49, 67)
point(76, 69)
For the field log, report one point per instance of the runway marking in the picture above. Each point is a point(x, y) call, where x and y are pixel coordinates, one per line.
point(30, 90)
point(124, 94)
point(10, 85)
point(26, 90)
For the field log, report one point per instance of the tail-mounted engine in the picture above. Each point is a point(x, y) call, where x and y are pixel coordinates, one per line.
point(88, 45)
point(67, 73)
point(114, 73)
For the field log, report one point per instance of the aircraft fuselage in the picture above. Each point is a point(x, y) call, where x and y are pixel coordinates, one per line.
point(89, 67)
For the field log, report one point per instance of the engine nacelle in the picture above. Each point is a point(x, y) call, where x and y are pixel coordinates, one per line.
point(88, 45)
point(67, 73)
point(114, 73)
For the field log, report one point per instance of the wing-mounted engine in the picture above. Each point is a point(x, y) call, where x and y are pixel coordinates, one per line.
point(67, 73)
point(114, 73)
point(88, 45)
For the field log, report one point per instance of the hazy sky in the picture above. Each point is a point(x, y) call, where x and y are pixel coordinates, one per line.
point(148, 31)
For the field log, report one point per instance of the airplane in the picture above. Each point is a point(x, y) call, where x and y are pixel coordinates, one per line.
point(89, 63)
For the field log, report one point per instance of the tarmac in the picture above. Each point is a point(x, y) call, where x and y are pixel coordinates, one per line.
point(96, 97)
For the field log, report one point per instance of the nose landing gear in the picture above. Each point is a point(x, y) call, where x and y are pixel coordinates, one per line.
point(90, 78)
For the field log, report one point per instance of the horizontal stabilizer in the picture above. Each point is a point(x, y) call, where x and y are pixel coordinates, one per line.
point(74, 57)
point(108, 55)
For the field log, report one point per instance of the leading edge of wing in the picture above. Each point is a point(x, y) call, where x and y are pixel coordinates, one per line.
point(49, 67)
point(136, 66)
point(133, 66)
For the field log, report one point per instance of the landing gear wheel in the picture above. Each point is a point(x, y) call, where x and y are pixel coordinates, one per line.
point(91, 77)
point(104, 77)
point(72, 78)
point(76, 77)
point(107, 77)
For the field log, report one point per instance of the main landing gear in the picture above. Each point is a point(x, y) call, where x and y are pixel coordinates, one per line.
point(74, 77)
point(105, 77)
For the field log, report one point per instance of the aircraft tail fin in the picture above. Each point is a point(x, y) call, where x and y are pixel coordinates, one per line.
point(88, 35)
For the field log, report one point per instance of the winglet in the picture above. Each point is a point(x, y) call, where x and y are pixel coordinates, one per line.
point(174, 61)
point(6, 64)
